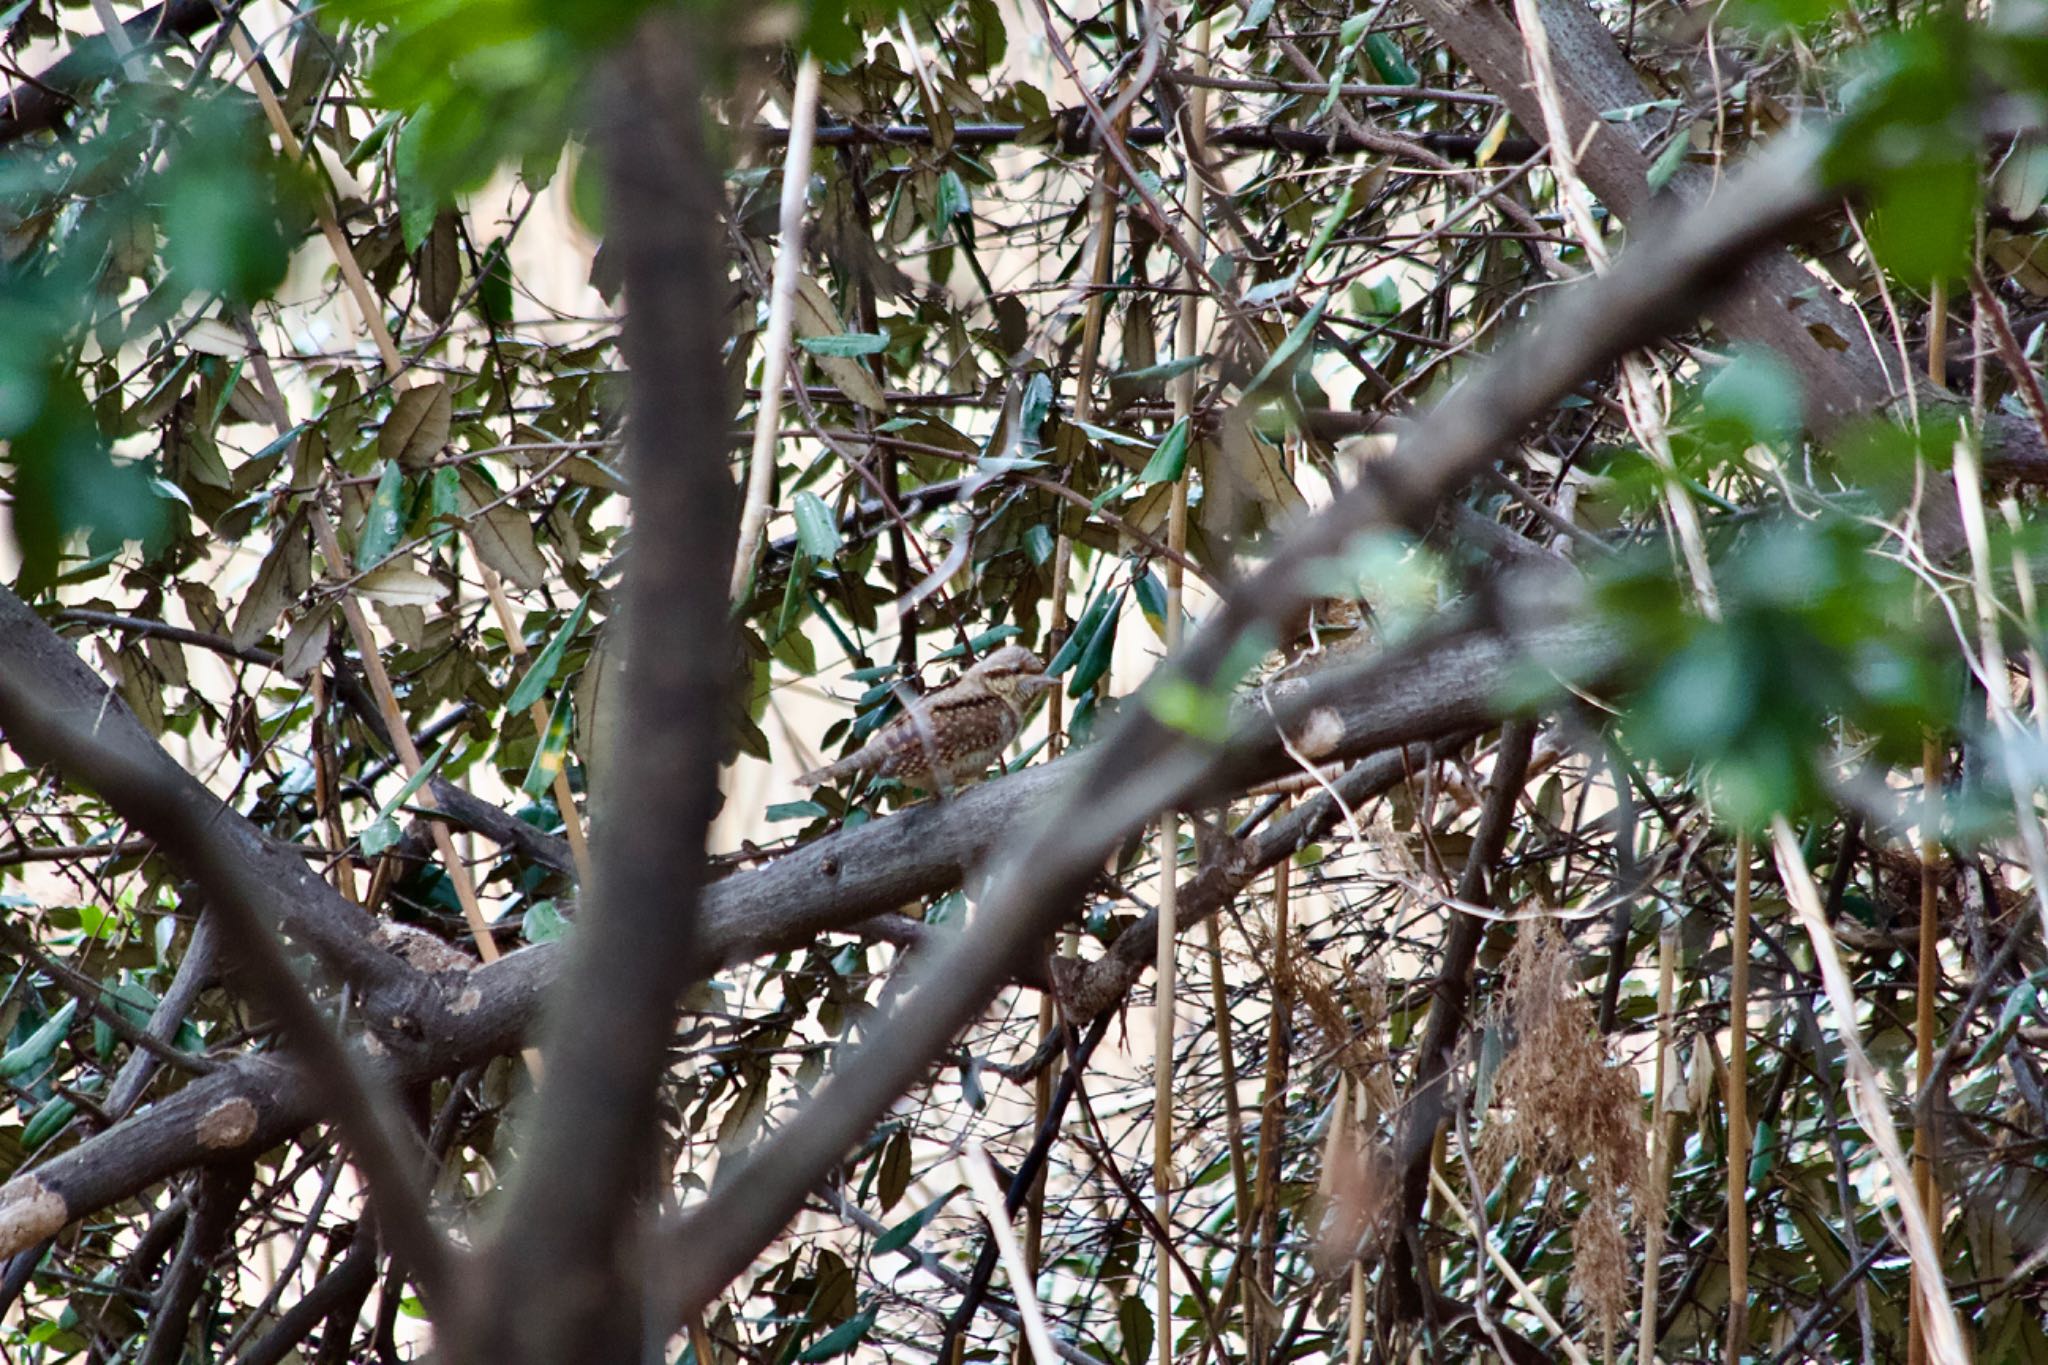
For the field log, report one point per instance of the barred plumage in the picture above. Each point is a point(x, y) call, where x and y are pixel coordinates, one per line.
point(950, 737)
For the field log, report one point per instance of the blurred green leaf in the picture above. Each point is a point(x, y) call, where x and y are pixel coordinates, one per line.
point(231, 212)
point(540, 675)
point(1910, 139)
point(1170, 459)
point(543, 922)
point(846, 344)
point(1753, 400)
point(66, 481)
point(817, 530)
point(37, 1049)
point(384, 522)
point(1394, 68)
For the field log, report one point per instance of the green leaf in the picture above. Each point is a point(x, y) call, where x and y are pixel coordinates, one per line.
point(1380, 299)
point(1765, 1154)
point(1164, 370)
point(1179, 704)
point(384, 521)
point(49, 1121)
point(840, 1339)
point(979, 644)
point(1032, 411)
point(1134, 1326)
point(1668, 161)
point(1077, 639)
point(378, 835)
point(66, 480)
point(230, 216)
point(795, 810)
point(846, 344)
point(1285, 353)
point(1152, 599)
point(953, 201)
point(543, 922)
point(586, 191)
point(795, 595)
point(817, 530)
point(1095, 656)
point(552, 751)
point(419, 199)
point(33, 1051)
point(1774, 15)
point(1908, 139)
point(1038, 543)
point(900, 1236)
point(414, 782)
point(374, 140)
point(1388, 61)
point(541, 674)
point(1171, 458)
point(1331, 222)
point(444, 497)
point(1753, 399)
point(1922, 222)
point(494, 286)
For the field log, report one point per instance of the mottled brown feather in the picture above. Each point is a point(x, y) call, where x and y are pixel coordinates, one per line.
point(950, 737)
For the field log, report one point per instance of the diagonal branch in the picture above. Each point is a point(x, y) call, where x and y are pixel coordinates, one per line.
point(1146, 765)
point(42, 102)
point(55, 710)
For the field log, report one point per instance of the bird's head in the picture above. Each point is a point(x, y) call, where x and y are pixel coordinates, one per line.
point(1015, 674)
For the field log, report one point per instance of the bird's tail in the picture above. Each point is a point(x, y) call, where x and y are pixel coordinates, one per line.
point(831, 772)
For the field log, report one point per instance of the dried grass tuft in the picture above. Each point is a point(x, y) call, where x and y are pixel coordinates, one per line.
point(1358, 1189)
point(1562, 1105)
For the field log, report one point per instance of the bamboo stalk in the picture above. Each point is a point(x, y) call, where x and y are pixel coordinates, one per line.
point(1233, 1120)
point(796, 175)
point(1258, 1287)
point(1868, 1101)
point(1525, 1293)
point(1166, 967)
point(1738, 1111)
point(1353, 1118)
point(981, 1179)
point(1653, 1213)
point(1927, 985)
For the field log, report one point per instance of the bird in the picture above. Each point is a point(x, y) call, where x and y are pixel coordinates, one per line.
point(949, 737)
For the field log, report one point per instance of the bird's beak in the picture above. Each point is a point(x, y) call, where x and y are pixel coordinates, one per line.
point(1042, 683)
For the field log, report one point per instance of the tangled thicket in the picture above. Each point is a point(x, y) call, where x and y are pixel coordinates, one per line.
point(1501, 629)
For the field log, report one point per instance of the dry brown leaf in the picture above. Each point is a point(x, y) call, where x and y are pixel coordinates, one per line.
point(418, 426)
point(397, 583)
point(816, 317)
point(286, 572)
point(307, 643)
point(503, 536)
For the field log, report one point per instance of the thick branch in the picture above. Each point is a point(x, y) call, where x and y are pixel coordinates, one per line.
point(562, 1276)
point(1780, 303)
point(41, 102)
point(1073, 135)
